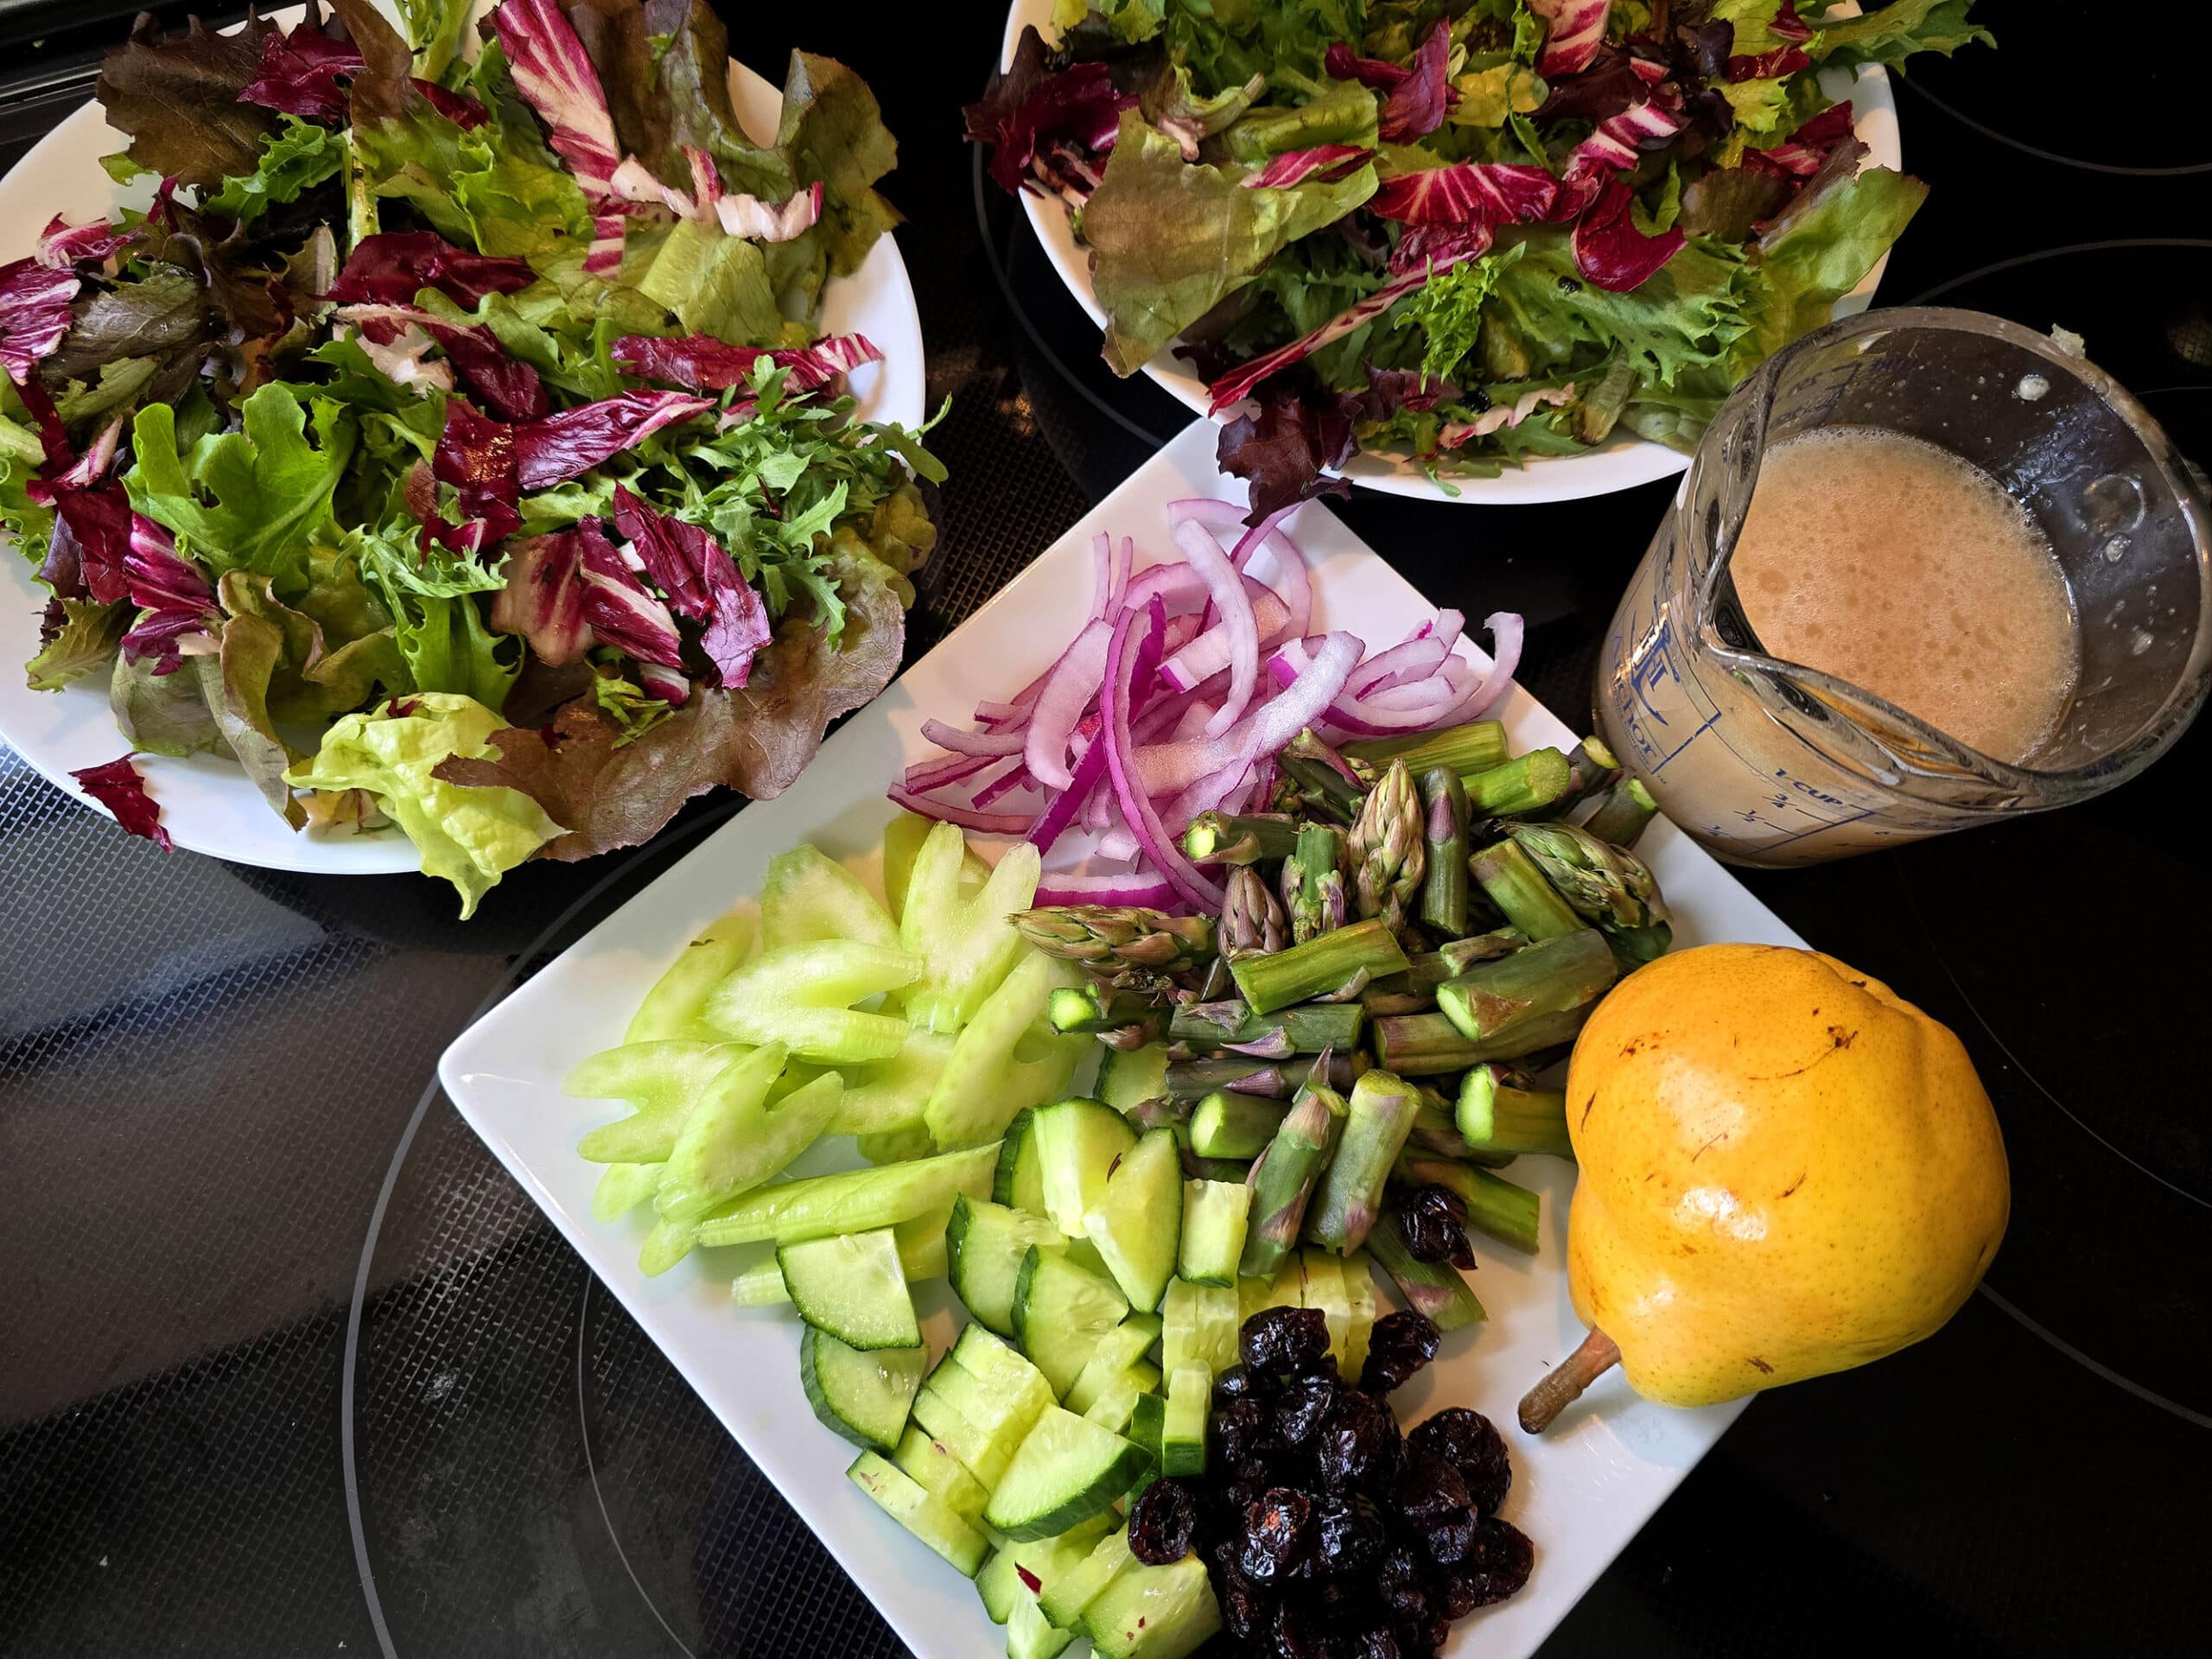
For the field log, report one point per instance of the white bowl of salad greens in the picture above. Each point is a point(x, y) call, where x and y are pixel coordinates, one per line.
point(1503, 251)
point(446, 447)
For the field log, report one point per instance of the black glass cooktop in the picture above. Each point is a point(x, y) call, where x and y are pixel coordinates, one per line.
point(289, 1365)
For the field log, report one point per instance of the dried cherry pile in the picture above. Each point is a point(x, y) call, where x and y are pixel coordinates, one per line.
point(1329, 1533)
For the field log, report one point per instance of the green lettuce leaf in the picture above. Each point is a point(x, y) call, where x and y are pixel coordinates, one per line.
point(1820, 249)
point(1228, 42)
point(1446, 311)
point(434, 30)
point(468, 837)
point(717, 284)
point(294, 158)
point(628, 707)
point(84, 644)
point(1171, 240)
point(1542, 317)
point(1897, 31)
point(832, 130)
point(1131, 21)
point(438, 626)
point(692, 76)
point(163, 313)
point(1340, 112)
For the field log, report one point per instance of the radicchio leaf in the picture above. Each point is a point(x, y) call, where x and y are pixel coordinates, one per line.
point(1574, 30)
point(299, 74)
point(1415, 99)
point(784, 221)
point(391, 268)
point(476, 455)
point(34, 314)
point(1770, 64)
point(1027, 107)
point(1498, 416)
point(459, 108)
point(554, 76)
point(701, 582)
point(1797, 155)
point(1239, 381)
point(1610, 251)
point(176, 602)
point(1281, 449)
point(1327, 162)
point(506, 385)
point(543, 600)
point(62, 246)
point(1480, 193)
point(1614, 143)
point(1788, 26)
point(703, 363)
point(117, 786)
point(572, 442)
point(620, 612)
point(1437, 245)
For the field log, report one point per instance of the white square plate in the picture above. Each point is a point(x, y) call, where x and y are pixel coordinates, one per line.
point(1580, 1493)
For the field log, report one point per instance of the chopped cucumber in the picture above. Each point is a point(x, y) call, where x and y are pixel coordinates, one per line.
point(662, 1081)
point(802, 995)
point(676, 1005)
point(1199, 1326)
point(1081, 1584)
point(984, 1456)
point(1359, 1292)
point(938, 1473)
point(1030, 1634)
point(1226, 1125)
point(854, 1201)
point(1216, 1215)
point(1130, 1077)
point(921, 1255)
point(863, 1396)
point(1001, 1584)
point(1183, 1430)
point(1116, 1400)
point(1286, 1289)
point(1154, 1612)
point(1017, 1387)
point(622, 1188)
point(1061, 1312)
point(737, 1138)
point(1000, 1420)
point(807, 895)
point(852, 1286)
point(966, 944)
point(1066, 1472)
point(1147, 1422)
point(984, 1245)
point(1078, 1144)
point(1137, 1221)
point(1018, 1180)
point(932, 1522)
point(1119, 1348)
point(1006, 1059)
point(1325, 1291)
point(890, 1094)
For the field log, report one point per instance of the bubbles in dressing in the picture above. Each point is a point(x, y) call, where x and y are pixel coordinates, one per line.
point(1893, 564)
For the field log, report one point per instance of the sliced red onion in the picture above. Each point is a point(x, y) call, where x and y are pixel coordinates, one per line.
point(1209, 794)
point(1206, 510)
point(1063, 700)
point(1102, 574)
point(1413, 660)
point(987, 823)
point(1002, 713)
point(945, 769)
point(1208, 654)
point(1506, 629)
point(960, 742)
point(1131, 661)
point(1136, 888)
point(1316, 684)
point(1118, 841)
point(1014, 778)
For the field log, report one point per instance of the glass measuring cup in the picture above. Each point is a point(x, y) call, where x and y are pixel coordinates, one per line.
point(1768, 762)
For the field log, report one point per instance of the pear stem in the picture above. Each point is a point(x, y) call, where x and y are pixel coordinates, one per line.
point(1563, 1384)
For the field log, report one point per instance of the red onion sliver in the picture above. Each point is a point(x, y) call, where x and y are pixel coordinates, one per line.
point(1130, 665)
point(1015, 778)
point(987, 823)
point(1208, 653)
point(1002, 713)
point(1316, 685)
point(945, 769)
point(991, 744)
point(1101, 579)
point(1204, 510)
point(1397, 666)
point(1154, 891)
point(1061, 702)
point(1118, 843)
point(1506, 635)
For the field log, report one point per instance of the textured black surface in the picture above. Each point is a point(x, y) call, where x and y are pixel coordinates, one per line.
point(212, 1122)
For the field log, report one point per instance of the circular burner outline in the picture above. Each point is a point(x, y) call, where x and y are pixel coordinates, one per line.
point(1928, 296)
point(1991, 133)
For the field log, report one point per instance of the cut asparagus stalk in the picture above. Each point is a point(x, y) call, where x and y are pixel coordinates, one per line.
point(1306, 1029)
point(1529, 783)
point(1249, 838)
point(1494, 1205)
point(1517, 1004)
point(1444, 884)
point(1591, 770)
point(1363, 951)
point(1512, 882)
point(1623, 814)
point(1094, 1008)
point(1436, 1289)
point(1234, 1126)
point(1434, 1135)
point(1313, 882)
point(1422, 1046)
point(1379, 1116)
point(1385, 852)
point(1122, 944)
point(1282, 1181)
point(1495, 1117)
point(1477, 745)
point(1324, 778)
point(1192, 1080)
point(1415, 990)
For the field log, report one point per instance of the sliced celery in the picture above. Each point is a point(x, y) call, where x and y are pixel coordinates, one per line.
point(1007, 1057)
point(676, 1004)
point(808, 895)
point(967, 945)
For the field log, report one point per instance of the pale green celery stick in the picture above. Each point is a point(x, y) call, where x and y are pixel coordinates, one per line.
point(808, 895)
point(966, 943)
point(662, 1080)
point(890, 1094)
point(902, 839)
point(715, 1157)
point(1007, 1057)
point(622, 1188)
point(854, 1201)
point(667, 1244)
point(800, 996)
point(676, 1005)
point(896, 1146)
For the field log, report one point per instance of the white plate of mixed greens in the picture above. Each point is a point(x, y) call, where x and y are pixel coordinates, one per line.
point(1515, 250)
point(687, 1012)
point(431, 418)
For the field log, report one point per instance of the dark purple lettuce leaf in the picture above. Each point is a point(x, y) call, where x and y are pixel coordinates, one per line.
point(299, 74)
point(701, 582)
point(1282, 447)
point(703, 363)
point(1415, 99)
point(1030, 105)
point(178, 97)
point(117, 786)
point(618, 607)
point(572, 442)
point(391, 268)
point(1610, 251)
point(1770, 64)
point(1728, 201)
point(175, 602)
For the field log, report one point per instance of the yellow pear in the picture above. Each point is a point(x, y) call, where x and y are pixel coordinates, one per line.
point(1786, 1169)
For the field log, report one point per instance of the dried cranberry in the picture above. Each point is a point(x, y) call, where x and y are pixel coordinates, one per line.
point(1496, 1564)
point(1294, 1635)
point(1242, 1429)
point(1449, 1537)
point(1237, 1381)
point(1375, 1644)
point(1285, 1339)
point(1350, 1537)
point(1277, 1530)
point(1161, 1523)
point(1468, 1440)
point(1357, 1443)
point(1424, 1638)
point(1244, 1609)
point(1403, 1582)
point(1399, 1344)
point(1303, 1403)
point(1434, 1222)
point(1428, 1488)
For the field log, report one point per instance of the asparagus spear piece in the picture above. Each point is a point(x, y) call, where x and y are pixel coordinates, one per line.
point(1434, 1135)
point(1325, 778)
point(1337, 962)
point(1529, 783)
point(1477, 745)
point(1436, 1289)
point(1495, 1117)
point(1126, 945)
point(1252, 921)
point(1251, 838)
point(1444, 888)
point(1313, 882)
point(1092, 1009)
point(1518, 887)
point(1307, 1028)
point(1606, 886)
point(1494, 1205)
point(1427, 969)
point(1194, 1080)
point(1591, 769)
point(1225, 1125)
point(1497, 1005)
point(1385, 851)
point(1623, 814)
point(1420, 1046)
point(1379, 1116)
point(1163, 1112)
point(1282, 1180)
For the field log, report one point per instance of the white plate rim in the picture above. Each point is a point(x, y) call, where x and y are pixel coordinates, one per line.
point(1620, 463)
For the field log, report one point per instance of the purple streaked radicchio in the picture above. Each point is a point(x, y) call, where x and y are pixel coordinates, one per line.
point(1028, 108)
point(1414, 99)
point(1574, 30)
point(34, 314)
point(63, 246)
point(622, 613)
point(543, 600)
point(177, 610)
point(117, 786)
point(300, 72)
point(1327, 163)
point(701, 582)
point(703, 363)
point(1482, 193)
point(572, 442)
point(393, 267)
point(1610, 251)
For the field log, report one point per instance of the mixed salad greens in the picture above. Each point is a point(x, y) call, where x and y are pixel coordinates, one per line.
point(1469, 231)
point(450, 440)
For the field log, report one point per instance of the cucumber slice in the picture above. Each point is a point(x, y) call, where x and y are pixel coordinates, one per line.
point(1018, 1387)
point(938, 1473)
point(852, 1287)
point(921, 1255)
point(1077, 1143)
point(1183, 1430)
point(802, 995)
point(1030, 1634)
point(662, 1081)
point(1006, 1059)
point(1116, 1400)
point(1061, 1312)
point(982, 1455)
point(1130, 1077)
point(1154, 1612)
point(1359, 1292)
point(1199, 1327)
point(1066, 1472)
point(807, 895)
point(965, 943)
point(1001, 1419)
point(852, 1201)
point(737, 1136)
point(1324, 1289)
point(1137, 1221)
point(1216, 1215)
point(622, 1188)
point(1083, 1583)
point(905, 1501)
point(676, 1005)
point(890, 1094)
point(1119, 1348)
point(1147, 1423)
point(863, 1396)
point(1018, 1180)
point(984, 1245)
point(1045, 1560)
